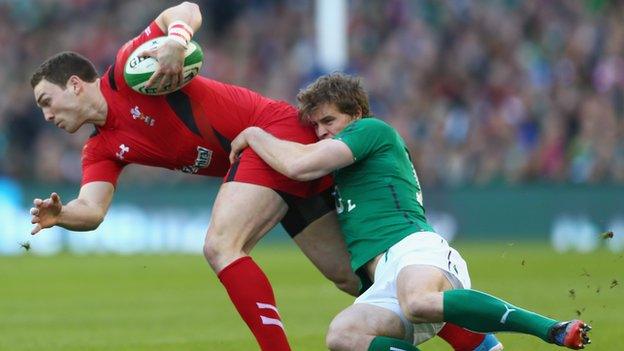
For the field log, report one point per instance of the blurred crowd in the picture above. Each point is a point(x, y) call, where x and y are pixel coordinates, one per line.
point(482, 91)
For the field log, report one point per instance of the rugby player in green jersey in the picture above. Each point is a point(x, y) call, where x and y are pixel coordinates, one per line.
point(415, 281)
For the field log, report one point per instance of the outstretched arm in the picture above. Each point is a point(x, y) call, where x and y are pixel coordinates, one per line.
point(81, 214)
point(297, 161)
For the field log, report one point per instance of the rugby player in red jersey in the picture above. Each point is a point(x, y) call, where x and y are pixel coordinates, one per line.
point(190, 130)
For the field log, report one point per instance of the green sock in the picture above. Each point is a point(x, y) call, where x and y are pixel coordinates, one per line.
point(485, 313)
point(382, 343)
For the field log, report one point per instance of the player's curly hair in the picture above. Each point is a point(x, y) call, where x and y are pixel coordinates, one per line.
point(58, 68)
point(343, 90)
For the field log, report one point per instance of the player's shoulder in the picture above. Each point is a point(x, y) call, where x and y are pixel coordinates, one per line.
point(370, 132)
point(372, 121)
point(370, 124)
point(108, 80)
point(95, 146)
point(92, 142)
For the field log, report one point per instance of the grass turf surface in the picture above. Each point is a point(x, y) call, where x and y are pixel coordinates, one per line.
point(173, 302)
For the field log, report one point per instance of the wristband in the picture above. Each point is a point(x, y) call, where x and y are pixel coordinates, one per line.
point(180, 32)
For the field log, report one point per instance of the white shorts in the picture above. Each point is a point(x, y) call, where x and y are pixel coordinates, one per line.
point(423, 248)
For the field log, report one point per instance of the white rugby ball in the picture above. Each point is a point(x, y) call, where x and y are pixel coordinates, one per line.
point(138, 70)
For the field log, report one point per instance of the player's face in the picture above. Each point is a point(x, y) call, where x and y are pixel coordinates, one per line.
point(329, 121)
point(60, 106)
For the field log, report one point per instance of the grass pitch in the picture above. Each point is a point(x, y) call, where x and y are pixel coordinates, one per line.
point(176, 303)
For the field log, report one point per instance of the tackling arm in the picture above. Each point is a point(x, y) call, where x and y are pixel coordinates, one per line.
point(297, 161)
point(82, 214)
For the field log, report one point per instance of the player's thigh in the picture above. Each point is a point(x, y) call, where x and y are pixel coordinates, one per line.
point(357, 325)
point(322, 242)
point(243, 213)
point(418, 279)
point(425, 266)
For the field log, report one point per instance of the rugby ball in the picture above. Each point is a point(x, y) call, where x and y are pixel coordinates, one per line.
point(138, 70)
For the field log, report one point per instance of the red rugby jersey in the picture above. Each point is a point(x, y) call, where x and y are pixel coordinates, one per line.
point(188, 130)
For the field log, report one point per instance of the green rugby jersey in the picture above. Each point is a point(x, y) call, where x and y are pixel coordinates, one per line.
point(378, 197)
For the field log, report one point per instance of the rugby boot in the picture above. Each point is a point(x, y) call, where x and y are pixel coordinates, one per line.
point(571, 334)
point(489, 343)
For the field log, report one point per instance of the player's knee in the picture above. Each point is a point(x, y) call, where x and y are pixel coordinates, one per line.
point(210, 252)
point(422, 308)
point(340, 337)
point(217, 249)
point(336, 342)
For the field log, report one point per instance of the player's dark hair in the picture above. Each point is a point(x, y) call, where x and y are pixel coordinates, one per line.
point(343, 90)
point(58, 68)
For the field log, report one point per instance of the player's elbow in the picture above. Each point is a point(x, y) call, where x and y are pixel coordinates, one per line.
point(190, 10)
point(191, 7)
point(96, 218)
point(84, 224)
point(90, 224)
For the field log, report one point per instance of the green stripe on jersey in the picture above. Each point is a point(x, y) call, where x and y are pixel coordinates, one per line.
point(378, 197)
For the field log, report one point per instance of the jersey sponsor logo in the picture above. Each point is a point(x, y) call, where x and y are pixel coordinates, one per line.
point(148, 31)
point(137, 114)
point(122, 150)
point(204, 156)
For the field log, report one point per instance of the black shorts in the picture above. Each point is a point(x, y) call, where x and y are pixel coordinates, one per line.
point(303, 211)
